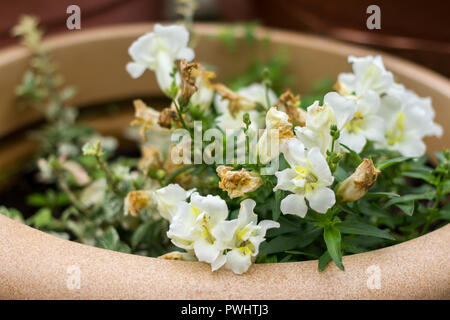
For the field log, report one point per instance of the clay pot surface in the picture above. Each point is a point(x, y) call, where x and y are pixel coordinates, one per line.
point(39, 266)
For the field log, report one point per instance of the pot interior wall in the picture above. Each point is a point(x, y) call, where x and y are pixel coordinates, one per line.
point(94, 62)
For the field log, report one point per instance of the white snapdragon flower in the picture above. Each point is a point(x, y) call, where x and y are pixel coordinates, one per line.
point(308, 177)
point(255, 92)
point(409, 118)
point(278, 131)
point(336, 110)
point(240, 238)
point(366, 123)
point(369, 73)
point(193, 225)
point(157, 51)
point(168, 199)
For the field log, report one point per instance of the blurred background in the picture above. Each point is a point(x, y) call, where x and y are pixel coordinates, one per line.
point(415, 30)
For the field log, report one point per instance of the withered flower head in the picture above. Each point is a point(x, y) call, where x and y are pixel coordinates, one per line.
point(145, 117)
point(290, 104)
point(189, 73)
point(137, 200)
point(356, 186)
point(149, 159)
point(237, 183)
point(167, 117)
point(177, 255)
point(170, 166)
point(236, 101)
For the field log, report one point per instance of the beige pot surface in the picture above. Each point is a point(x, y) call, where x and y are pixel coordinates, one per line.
point(36, 265)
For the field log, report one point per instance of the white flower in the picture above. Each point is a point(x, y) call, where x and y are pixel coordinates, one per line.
point(409, 118)
point(366, 123)
point(157, 51)
point(240, 238)
point(308, 177)
point(168, 199)
point(336, 110)
point(193, 224)
point(278, 131)
point(368, 74)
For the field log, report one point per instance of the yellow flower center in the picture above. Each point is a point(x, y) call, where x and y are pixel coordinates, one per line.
point(205, 224)
point(304, 173)
point(397, 133)
point(354, 125)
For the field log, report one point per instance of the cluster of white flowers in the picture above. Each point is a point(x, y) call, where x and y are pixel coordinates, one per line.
point(387, 113)
point(368, 106)
point(200, 227)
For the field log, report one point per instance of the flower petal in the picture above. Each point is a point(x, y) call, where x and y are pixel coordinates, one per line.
point(238, 262)
point(294, 204)
point(321, 199)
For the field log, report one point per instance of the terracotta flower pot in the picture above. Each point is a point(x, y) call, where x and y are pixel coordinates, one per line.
point(37, 265)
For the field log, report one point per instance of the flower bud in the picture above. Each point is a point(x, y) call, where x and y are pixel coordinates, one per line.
point(357, 185)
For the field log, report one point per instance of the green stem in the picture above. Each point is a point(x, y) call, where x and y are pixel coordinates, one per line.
point(111, 180)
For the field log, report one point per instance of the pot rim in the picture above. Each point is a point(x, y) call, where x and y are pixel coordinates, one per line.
point(36, 264)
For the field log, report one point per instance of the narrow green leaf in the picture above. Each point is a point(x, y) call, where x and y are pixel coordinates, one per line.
point(353, 153)
point(387, 163)
point(355, 227)
point(382, 194)
point(276, 207)
point(407, 207)
point(426, 176)
point(332, 237)
point(323, 260)
point(291, 241)
point(302, 253)
point(406, 198)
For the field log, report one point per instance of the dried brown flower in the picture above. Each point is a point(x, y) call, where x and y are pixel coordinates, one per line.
point(289, 104)
point(149, 159)
point(237, 183)
point(236, 101)
point(145, 117)
point(357, 185)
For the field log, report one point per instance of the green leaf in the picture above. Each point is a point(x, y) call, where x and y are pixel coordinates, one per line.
point(301, 253)
point(41, 219)
point(382, 194)
point(11, 213)
point(109, 240)
point(387, 163)
point(140, 233)
point(332, 237)
point(287, 242)
point(340, 174)
point(323, 260)
point(353, 153)
point(276, 205)
point(286, 226)
point(407, 207)
point(426, 176)
point(406, 198)
point(355, 227)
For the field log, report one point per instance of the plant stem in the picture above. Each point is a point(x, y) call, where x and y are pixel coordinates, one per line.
point(65, 187)
point(111, 180)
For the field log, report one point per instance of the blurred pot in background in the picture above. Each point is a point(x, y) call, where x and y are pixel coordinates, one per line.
point(416, 30)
